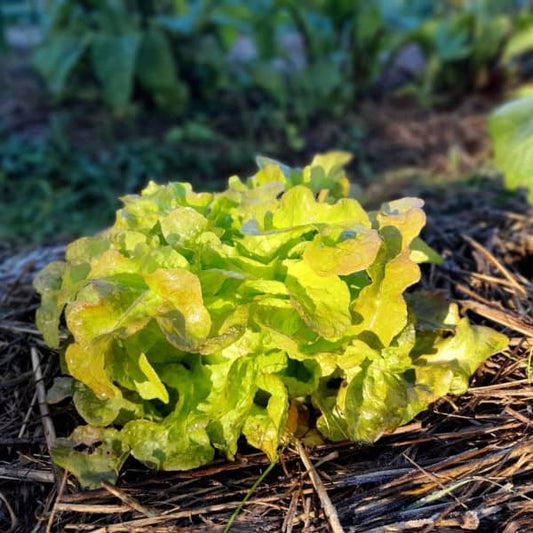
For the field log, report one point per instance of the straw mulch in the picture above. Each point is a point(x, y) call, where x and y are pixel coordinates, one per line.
point(464, 465)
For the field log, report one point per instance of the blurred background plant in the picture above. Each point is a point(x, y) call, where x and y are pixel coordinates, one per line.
point(193, 90)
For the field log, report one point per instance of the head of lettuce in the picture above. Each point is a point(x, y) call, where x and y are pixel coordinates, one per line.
point(198, 318)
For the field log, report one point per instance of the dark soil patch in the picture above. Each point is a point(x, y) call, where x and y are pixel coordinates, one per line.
point(438, 142)
point(24, 105)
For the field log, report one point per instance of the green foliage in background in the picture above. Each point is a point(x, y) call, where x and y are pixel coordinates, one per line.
point(321, 56)
point(198, 318)
point(511, 129)
point(511, 125)
point(175, 50)
point(183, 57)
point(461, 49)
point(118, 43)
point(52, 190)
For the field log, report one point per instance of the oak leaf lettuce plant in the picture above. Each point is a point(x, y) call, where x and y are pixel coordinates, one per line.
point(198, 318)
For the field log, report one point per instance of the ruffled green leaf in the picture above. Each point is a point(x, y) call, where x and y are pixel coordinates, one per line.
point(322, 301)
point(463, 352)
point(94, 410)
point(348, 253)
point(181, 445)
point(181, 314)
point(61, 389)
point(230, 401)
point(133, 370)
point(265, 246)
point(266, 423)
point(181, 441)
point(101, 413)
point(182, 226)
point(380, 307)
point(262, 287)
point(86, 249)
point(422, 253)
point(108, 306)
point(326, 171)
point(87, 363)
point(93, 455)
point(389, 388)
point(201, 318)
point(298, 207)
point(48, 284)
point(332, 422)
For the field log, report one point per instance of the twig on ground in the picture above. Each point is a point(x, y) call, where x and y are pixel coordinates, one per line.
point(13, 382)
point(432, 477)
point(491, 259)
point(12, 515)
point(288, 522)
point(327, 505)
point(128, 500)
point(27, 416)
point(26, 474)
point(160, 519)
point(467, 521)
point(89, 508)
point(501, 317)
point(53, 511)
point(46, 419)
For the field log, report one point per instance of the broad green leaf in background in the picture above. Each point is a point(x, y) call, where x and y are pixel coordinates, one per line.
point(520, 42)
point(113, 57)
point(156, 69)
point(511, 129)
point(451, 43)
point(57, 58)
